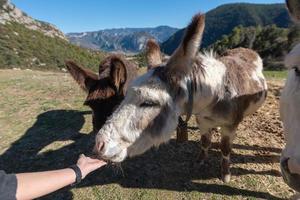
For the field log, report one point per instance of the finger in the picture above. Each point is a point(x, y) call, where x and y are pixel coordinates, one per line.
point(98, 164)
point(81, 155)
point(94, 159)
point(91, 159)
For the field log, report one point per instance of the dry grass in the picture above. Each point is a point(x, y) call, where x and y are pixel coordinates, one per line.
point(43, 125)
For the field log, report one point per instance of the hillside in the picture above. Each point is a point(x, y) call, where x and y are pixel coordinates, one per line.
point(28, 43)
point(271, 42)
point(222, 20)
point(129, 40)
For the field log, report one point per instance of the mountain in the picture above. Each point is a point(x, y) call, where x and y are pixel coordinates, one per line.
point(29, 43)
point(10, 13)
point(222, 20)
point(122, 39)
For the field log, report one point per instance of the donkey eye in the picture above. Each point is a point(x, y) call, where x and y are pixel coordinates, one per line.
point(149, 104)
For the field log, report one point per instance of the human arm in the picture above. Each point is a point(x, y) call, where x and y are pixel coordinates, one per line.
point(36, 184)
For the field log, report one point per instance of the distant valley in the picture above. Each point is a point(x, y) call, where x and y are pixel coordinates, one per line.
point(219, 22)
point(128, 40)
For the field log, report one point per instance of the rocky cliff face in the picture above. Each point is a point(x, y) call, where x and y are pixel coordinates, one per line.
point(10, 13)
point(129, 40)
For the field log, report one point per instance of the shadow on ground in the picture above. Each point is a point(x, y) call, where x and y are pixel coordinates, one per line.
point(52, 126)
point(171, 167)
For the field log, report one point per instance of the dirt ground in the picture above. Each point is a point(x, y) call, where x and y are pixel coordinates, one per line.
point(43, 126)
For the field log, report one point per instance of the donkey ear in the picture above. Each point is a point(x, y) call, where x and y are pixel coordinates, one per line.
point(84, 77)
point(118, 73)
point(187, 50)
point(153, 54)
point(294, 9)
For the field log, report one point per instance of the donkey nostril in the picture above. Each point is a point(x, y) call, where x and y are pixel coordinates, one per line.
point(100, 146)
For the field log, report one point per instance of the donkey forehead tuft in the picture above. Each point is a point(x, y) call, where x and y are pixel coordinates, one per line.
point(150, 78)
point(149, 85)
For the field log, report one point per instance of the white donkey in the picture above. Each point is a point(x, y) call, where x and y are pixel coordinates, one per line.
point(219, 91)
point(290, 110)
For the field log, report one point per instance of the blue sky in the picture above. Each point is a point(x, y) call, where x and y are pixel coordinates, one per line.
point(91, 15)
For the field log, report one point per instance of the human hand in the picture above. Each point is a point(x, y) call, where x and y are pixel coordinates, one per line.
point(87, 164)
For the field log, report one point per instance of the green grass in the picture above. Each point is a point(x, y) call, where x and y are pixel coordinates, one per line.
point(23, 48)
point(44, 126)
point(275, 74)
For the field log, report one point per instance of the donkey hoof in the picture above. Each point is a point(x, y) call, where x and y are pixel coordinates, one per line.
point(226, 178)
point(182, 135)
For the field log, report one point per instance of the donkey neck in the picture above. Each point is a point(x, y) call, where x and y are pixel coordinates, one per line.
point(204, 83)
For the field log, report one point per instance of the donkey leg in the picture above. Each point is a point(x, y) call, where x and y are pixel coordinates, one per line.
point(226, 146)
point(182, 132)
point(206, 133)
point(205, 143)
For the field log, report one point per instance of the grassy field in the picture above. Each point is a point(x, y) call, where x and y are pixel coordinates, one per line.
point(43, 125)
point(275, 74)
